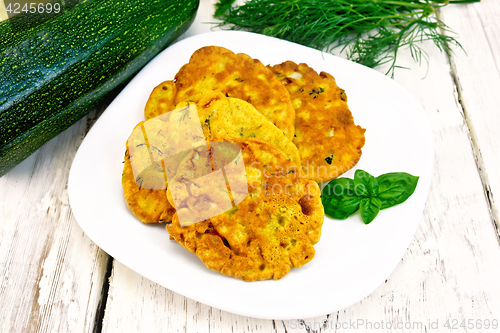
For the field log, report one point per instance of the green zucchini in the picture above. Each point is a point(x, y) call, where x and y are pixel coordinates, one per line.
point(53, 73)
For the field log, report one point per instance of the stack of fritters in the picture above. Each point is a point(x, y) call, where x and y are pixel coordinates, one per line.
point(294, 130)
point(220, 116)
point(272, 230)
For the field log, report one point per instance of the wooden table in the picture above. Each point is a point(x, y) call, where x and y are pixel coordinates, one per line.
point(53, 278)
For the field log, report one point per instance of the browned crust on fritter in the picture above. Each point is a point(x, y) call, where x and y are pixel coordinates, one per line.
point(219, 115)
point(235, 75)
point(149, 206)
point(326, 136)
point(271, 231)
point(233, 118)
point(160, 100)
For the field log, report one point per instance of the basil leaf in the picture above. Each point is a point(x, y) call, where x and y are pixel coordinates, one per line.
point(392, 192)
point(339, 188)
point(339, 198)
point(365, 185)
point(342, 197)
point(340, 208)
point(369, 208)
point(390, 184)
point(350, 205)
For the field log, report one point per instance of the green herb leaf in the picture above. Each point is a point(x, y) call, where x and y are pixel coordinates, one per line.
point(371, 31)
point(390, 184)
point(365, 185)
point(392, 192)
point(222, 6)
point(340, 208)
point(369, 208)
point(329, 159)
point(350, 205)
point(339, 199)
point(342, 197)
point(339, 188)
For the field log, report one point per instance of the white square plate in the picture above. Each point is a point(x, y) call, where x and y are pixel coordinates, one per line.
point(352, 259)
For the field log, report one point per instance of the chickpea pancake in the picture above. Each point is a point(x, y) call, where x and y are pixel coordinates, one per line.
point(328, 140)
point(144, 178)
point(228, 117)
point(235, 75)
point(160, 100)
point(267, 234)
point(148, 205)
point(219, 116)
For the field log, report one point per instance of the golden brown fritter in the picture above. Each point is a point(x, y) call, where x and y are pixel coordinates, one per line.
point(228, 117)
point(220, 116)
point(208, 184)
point(160, 100)
point(329, 142)
point(271, 231)
point(235, 75)
point(145, 171)
point(148, 205)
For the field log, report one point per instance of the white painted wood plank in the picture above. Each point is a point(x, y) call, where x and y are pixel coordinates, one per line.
point(449, 271)
point(51, 274)
point(136, 304)
point(478, 79)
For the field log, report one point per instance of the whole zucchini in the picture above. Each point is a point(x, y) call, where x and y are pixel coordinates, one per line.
point(53, 73)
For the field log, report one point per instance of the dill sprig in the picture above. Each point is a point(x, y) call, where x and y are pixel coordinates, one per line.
point(370, 31)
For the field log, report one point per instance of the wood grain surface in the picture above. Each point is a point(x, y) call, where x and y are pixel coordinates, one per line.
point(51, 273)
point(53, 278)
point(477, 78)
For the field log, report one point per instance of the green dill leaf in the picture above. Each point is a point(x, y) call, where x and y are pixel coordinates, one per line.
point(329, 159)
point(371, 31)
point(222, 6)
